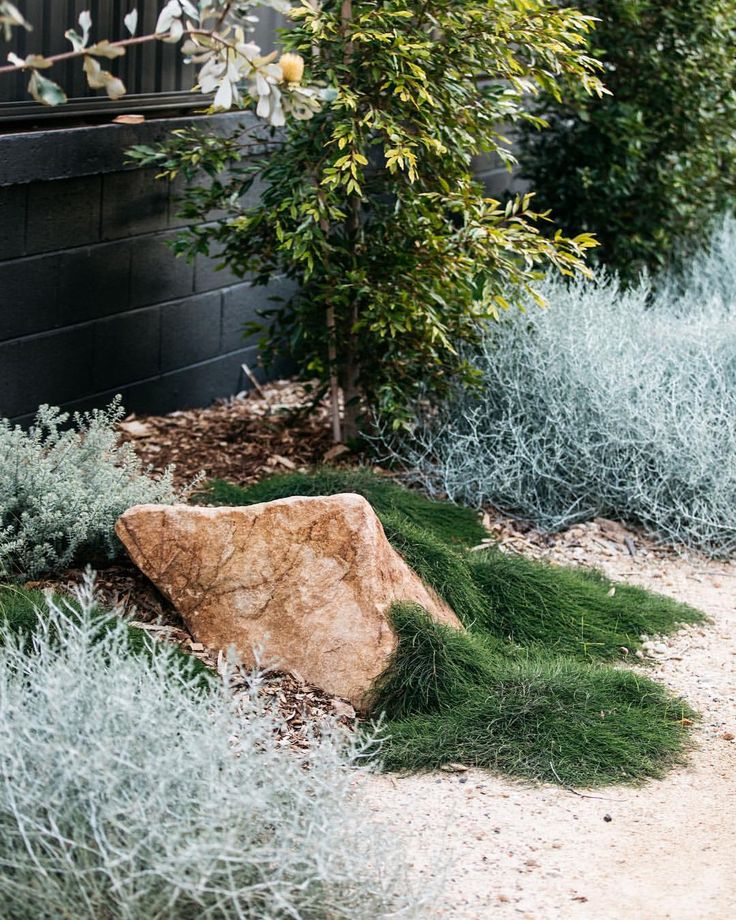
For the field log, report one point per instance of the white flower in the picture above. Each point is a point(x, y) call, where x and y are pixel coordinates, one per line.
point(302, 102)
point(224, 96)
point(169, 21)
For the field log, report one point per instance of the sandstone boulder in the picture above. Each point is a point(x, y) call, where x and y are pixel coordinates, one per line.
point(307, 581)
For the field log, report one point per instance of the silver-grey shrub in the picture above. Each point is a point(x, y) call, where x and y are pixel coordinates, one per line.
point(610, 402)
point(62, 489)
point(128, 793)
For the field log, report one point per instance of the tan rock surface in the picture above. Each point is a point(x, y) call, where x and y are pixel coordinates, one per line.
point(307, 581)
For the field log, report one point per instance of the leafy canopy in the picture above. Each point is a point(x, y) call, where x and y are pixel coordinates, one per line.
point(647, 167)
point(372, 207)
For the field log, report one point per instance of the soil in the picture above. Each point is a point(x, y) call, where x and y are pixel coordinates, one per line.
point(265, 431)
point(665, 850)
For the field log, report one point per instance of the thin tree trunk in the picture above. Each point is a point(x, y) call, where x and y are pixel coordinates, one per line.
point(331, 325)
point(351, 389)
point(332, 361)
point(334, 382)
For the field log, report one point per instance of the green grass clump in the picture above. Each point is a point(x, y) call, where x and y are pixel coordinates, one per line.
point(450, 523)
point(512, 598)
point(451, 697)
point(571, 611)
point(523, 689)
point(441, 566)
point(22, 614)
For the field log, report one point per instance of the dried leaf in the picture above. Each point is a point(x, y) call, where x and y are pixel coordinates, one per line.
point(129, 120)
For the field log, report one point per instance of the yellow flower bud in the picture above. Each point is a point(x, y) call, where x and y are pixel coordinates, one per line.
point(292, 67)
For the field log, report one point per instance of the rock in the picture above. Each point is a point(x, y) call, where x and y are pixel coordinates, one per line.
point(303, 583)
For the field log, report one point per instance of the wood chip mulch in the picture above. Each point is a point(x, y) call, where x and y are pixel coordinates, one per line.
point(272, 429)
point(275, 428)
point(301, 710)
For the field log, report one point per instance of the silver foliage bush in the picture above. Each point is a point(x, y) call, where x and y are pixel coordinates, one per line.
point(610, 402)
point(128, 793)
point(62, 489)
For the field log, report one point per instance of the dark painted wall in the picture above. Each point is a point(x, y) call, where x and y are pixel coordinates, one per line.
point(92, 302)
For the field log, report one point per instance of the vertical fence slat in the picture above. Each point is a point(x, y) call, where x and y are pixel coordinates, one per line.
point(154, 68)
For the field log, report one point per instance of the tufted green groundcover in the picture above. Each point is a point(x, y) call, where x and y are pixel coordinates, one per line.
point(529, 687)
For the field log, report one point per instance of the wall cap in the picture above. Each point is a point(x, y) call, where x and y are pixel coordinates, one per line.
point(65, 153)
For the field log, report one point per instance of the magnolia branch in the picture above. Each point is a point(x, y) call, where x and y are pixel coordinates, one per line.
point(38, 62)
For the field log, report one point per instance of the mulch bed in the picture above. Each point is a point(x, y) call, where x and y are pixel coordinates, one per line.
point(278, 429)
point(301, 709)
point(243, 439)
point(273, 429)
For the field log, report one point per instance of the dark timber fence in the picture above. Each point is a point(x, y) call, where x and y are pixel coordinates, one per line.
point(154, 73)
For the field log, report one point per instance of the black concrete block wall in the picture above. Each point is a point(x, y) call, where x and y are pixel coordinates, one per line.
point(92, 300)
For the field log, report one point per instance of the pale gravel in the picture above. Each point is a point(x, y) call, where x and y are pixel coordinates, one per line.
point(544, 853)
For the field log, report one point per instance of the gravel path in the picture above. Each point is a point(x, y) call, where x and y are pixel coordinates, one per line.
point(668, 851)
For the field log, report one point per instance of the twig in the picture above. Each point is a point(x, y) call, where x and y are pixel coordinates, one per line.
point(254, 380)
point(580, 795)
point(84, 52)
point(123, 43)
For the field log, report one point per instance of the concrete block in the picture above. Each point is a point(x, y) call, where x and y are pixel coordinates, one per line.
point(156, 273)
point(133, 203)
point(28, 296)
point(190, 330)
point(63, 214)
point(126, 348)
point(12, 221)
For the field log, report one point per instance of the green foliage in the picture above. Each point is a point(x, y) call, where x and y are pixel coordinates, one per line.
point(522, 690)
point(371, 205)
point(507, 597)
point(22, 614)
point(647, 168)
point(440, 565)
point(449, 523)
point(63, 488)
point(571, 611)
point(433, 667)
point(451, 698)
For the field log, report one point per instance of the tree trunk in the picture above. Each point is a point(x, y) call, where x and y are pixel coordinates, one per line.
point(333, 372)
point(351, 385)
